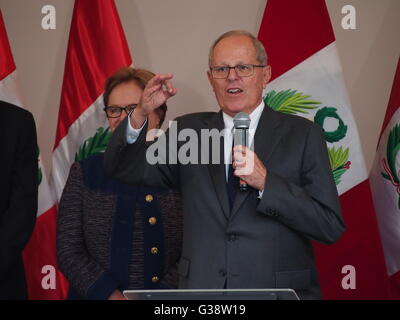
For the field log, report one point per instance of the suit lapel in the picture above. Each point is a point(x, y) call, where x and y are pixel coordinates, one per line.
point(217, 171)
point(268, 134)
point(267, 137)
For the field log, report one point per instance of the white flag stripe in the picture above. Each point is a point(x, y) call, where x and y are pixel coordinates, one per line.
point(320, 76)
point(83, 128)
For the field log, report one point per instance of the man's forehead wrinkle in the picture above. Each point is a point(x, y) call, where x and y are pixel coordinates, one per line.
point(239, 55)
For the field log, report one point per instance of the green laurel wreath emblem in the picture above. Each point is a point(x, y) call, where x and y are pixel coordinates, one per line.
point(289, 101)
point(94, 145)
point(293, 102)
point(330, 112)
point(389, 163)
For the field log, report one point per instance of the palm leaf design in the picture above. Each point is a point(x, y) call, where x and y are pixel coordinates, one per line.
point(338, 159)
point(289, 101)
point(94, 145)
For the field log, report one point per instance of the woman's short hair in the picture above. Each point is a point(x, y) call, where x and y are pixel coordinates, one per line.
point(127, 74)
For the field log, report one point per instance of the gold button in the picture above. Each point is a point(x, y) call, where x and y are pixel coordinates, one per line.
point(154, 250)
point(155, 279)
point(149, 198)
point(153, 220)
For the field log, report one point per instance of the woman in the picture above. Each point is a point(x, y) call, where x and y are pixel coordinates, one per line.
point(110, 236)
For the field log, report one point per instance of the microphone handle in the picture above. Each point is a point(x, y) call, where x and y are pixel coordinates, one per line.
point(242, 184)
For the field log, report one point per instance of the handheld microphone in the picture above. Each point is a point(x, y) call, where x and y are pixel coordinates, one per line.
point(241, 122)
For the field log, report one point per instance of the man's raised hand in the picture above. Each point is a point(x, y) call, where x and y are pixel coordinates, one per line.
point(157, 91)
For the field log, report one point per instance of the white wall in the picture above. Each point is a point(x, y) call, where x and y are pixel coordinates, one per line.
point(174, 36)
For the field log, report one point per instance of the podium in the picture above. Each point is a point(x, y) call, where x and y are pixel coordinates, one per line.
point(212, 294)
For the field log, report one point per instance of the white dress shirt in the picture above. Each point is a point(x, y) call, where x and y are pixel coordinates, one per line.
point(228, 136)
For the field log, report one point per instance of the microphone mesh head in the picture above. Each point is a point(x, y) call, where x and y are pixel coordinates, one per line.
point(241, 120)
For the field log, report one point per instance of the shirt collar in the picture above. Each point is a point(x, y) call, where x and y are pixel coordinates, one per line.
point(254, 117)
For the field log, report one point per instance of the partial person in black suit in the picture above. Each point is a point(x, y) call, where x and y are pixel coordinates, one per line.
point(18, 195)
point(259, 238)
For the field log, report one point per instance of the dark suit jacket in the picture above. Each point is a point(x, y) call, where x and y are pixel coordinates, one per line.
point(261, 243)
point(18, 195)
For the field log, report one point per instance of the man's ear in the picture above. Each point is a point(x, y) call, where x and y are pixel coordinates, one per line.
point(266, 75)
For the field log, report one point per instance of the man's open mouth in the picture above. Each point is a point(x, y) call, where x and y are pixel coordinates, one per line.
point(234, 91)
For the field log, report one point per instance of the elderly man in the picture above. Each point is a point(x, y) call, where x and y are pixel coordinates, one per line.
point(259, 238)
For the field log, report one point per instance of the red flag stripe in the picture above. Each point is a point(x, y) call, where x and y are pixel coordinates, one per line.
point(97, 48)
point(394, 100)
point(395, 285)
point(7, 64)
point(39, 252)
point(360, 247)
point(292, 31)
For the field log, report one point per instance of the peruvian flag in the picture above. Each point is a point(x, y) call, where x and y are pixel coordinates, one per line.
point(96, 49)
point(385, 185)
point(307, 81)
point(39, 253)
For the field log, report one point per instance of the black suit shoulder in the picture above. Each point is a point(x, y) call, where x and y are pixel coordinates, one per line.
point(11, 110)
point(16, 119)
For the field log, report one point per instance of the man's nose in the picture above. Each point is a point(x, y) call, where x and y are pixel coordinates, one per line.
point(232, 74)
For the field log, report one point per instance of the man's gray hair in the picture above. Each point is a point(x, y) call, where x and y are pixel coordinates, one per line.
point(261, 54)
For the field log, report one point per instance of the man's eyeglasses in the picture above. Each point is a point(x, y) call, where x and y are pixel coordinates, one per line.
point(115, 112)
point(242, 70)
